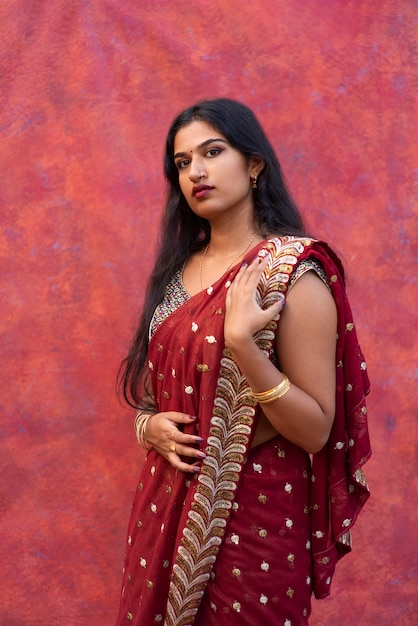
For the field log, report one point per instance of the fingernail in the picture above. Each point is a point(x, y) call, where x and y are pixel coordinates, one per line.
point(196, 469)
point(199, 439)
point(202, 455)
point(192, 417)
point(244, 264)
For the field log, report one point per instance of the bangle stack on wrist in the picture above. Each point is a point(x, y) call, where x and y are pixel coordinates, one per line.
point(141, 421)
point(277, 392)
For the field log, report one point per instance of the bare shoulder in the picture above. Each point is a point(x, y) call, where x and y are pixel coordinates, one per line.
point(310, 297)
point(306, 335)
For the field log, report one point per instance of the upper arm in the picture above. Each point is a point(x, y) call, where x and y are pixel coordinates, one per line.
point(306, 340)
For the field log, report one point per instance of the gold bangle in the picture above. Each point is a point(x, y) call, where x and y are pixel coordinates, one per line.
point(264, 397)
point(141, 422)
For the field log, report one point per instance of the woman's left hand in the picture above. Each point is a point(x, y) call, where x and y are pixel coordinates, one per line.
point(244, 316)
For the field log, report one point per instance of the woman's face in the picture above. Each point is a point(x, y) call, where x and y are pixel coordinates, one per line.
point(214, 177)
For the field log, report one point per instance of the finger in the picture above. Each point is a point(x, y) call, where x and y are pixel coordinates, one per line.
point(249, 275)
point(258, 263)
point(180, 437)
point(241, 271)
point(258, 266)
point(176, 462)
point(180, 418)
point(188, 440)
point(280, 300)
point(180, 449)
point(273, 311)
point(174, 425)
point(186, 467)
point(237, 281)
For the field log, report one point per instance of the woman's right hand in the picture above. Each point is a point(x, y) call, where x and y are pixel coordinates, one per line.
point(165, 436)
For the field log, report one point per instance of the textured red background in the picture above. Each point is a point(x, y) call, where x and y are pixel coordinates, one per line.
point(88, 89)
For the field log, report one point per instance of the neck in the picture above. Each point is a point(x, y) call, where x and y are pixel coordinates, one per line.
point(219, 256)
point(227, 241)
point(225, 248)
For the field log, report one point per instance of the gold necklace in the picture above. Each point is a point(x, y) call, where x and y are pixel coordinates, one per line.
point(229, 266)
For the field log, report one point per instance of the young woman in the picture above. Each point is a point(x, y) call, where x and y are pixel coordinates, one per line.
point(250, 386)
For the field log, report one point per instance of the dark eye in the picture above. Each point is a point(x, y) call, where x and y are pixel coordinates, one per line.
point(212, 152)
point(182, 164)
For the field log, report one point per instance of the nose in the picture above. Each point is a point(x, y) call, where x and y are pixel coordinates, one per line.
point(196, 170)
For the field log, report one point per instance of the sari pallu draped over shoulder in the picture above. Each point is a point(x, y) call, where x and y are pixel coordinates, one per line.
point(191, 371)
point(339, 488)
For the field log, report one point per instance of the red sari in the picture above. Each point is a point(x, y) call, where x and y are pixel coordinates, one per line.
point(251, 537)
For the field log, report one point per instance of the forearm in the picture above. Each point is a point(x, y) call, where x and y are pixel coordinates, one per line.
point(296, 415)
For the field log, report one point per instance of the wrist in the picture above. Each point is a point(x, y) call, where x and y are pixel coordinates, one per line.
point(141, 423)
point(244, 350)
point(239, 343)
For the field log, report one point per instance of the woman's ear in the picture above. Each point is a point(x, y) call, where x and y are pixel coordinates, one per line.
point(256, 165)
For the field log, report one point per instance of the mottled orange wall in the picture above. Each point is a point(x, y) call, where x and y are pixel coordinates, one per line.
point(88, 89)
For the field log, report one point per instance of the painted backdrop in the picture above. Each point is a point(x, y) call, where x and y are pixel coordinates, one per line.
point(88, 89)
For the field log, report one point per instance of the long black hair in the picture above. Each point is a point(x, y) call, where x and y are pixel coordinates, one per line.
point(183, 232)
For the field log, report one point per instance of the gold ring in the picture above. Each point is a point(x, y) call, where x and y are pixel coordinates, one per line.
point(173, 446)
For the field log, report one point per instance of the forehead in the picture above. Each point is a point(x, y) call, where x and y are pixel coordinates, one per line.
point(191, 136)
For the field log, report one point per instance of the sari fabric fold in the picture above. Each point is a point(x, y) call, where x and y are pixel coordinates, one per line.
point(190, 557)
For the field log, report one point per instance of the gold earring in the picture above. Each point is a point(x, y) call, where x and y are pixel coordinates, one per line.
point(254, 181)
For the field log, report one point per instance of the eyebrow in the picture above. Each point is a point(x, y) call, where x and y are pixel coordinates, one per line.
point(200, 146)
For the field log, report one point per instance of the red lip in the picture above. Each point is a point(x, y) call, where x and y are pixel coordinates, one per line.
point(198, 190)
